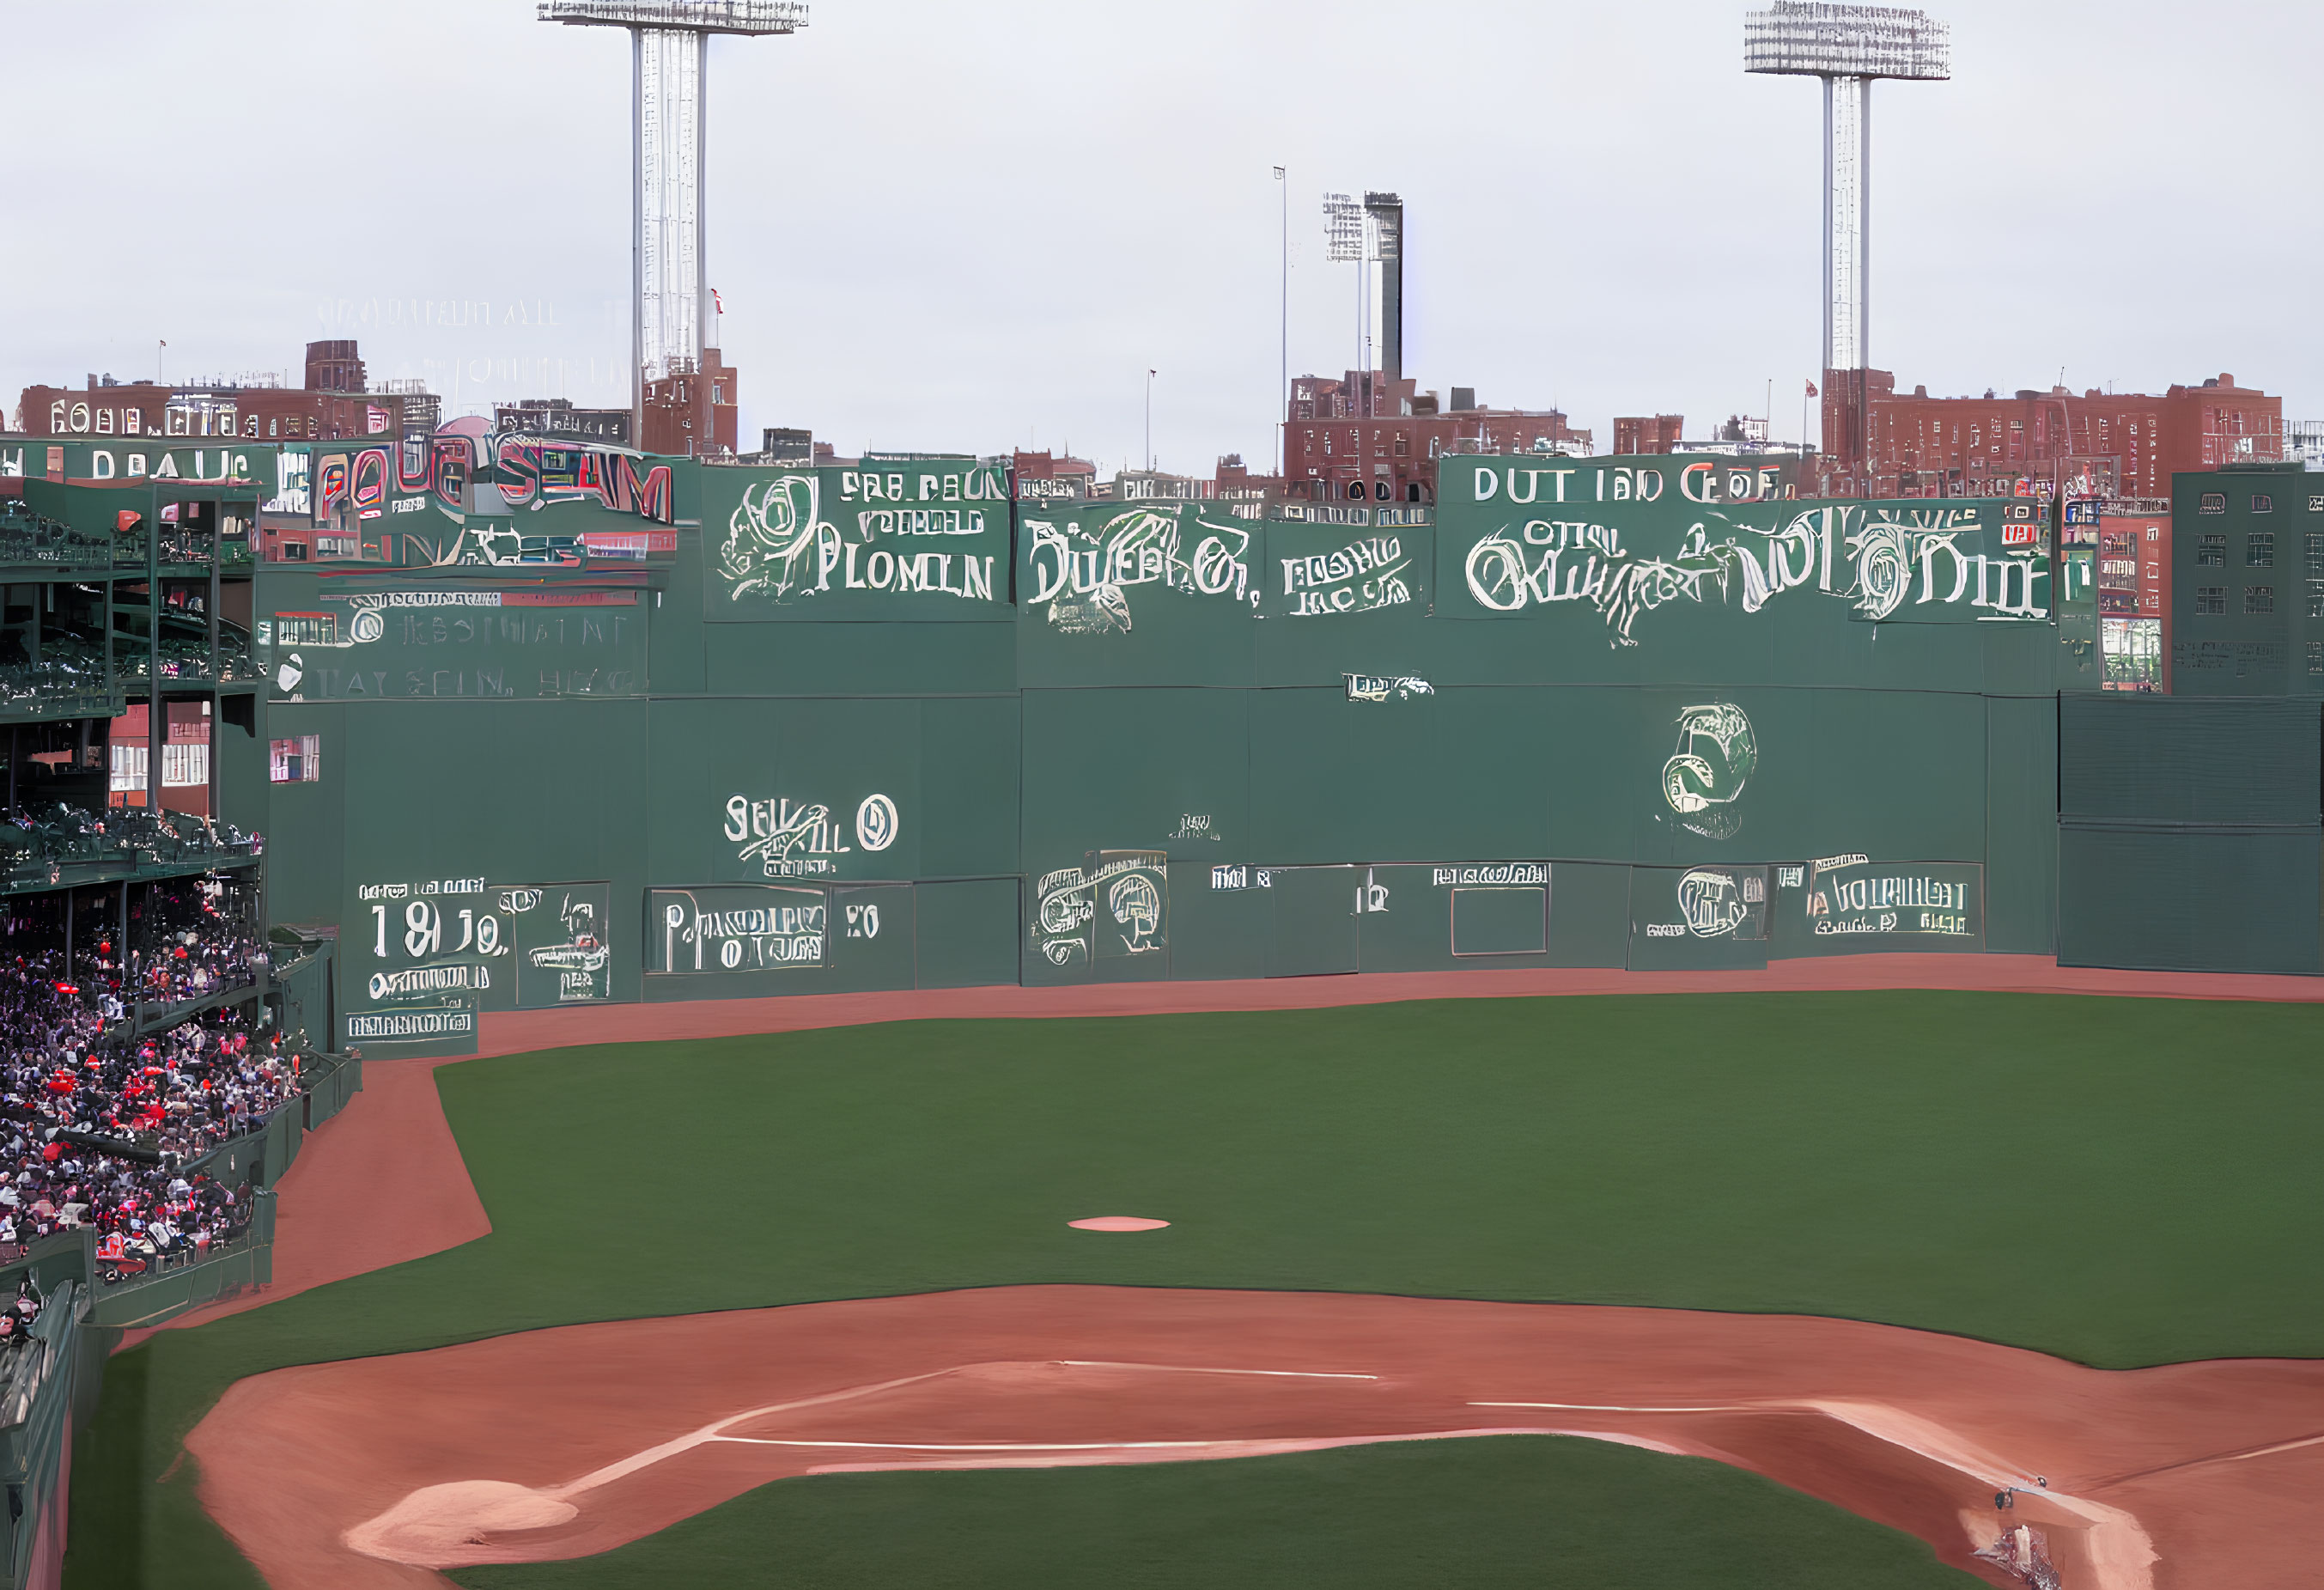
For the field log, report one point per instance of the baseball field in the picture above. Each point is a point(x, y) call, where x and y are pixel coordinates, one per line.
point(1715, 1289)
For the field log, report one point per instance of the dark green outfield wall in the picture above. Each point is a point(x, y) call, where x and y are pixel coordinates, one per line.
point(886, 729)
point(2190, 835)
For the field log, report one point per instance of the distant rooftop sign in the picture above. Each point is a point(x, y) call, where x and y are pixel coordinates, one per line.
point(1815, 40)
point(701, 16)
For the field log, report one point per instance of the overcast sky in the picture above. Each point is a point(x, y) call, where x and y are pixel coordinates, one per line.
point(946, 225)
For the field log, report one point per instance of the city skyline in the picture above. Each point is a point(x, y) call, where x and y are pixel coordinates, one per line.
point(1606, 214)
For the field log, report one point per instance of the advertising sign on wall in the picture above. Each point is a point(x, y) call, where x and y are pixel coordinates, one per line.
point(1096, 568)
point(734, 927)
point(1324, 571)
point(1631, 552)
point(1850, 904)
point(923, 541)
point(424, 957)
point(564, 953)
point(445, 641)
point(1114, 906)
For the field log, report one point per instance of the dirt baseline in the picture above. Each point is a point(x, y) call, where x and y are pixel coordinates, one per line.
point(369, 1473)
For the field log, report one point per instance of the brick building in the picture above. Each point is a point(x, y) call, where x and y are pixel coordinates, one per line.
point(1372, 435)
point(106, 407)
point(1649, 434)
point(691, 412)
point(2133, 545)
point(1052, 475)
point(1921, 446)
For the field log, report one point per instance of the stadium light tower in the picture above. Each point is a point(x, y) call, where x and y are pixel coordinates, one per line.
point(670, 54)
point(1847, 46)
point(1364, 235)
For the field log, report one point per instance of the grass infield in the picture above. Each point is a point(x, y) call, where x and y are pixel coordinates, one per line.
point(1535, 1513)
point(2120, 1182)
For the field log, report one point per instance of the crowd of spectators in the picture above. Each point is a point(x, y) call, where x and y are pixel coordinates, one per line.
point(195, 949)
point(103, 1126)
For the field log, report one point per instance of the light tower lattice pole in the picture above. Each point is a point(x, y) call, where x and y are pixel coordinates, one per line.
point(670, 54)
point(1847, 46)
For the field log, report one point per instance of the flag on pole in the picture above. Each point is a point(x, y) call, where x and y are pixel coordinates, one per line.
point(716, 303)
point(1812, 391)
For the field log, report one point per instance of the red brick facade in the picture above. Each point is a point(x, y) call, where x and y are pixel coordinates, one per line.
point(692, 413)
point(1333, 450)
point(1921, 446)
point(1649, 434)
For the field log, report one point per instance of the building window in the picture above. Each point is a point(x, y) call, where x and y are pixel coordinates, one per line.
point(2214, 503)
point(295, 761)
point(2259, 599)
point(2263, 503)
point(2259, 549)
point(2211, 599)
point(2211, 550)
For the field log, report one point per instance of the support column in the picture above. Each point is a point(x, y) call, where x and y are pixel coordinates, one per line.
point(637, 235)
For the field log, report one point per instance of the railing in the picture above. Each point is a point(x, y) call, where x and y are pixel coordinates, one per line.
point(47, 1378)
point(55, 688)
point(168, 1285)
point(68, 850)
point(165, 1286)
point(186, 661)
point(25, 1365)
point(28, 538)
point(714, 17)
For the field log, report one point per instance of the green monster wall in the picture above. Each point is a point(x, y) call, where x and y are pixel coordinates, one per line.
point(880, 727)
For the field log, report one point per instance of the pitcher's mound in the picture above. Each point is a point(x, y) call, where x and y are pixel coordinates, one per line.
point(429, 1528)
point(1117, 1222)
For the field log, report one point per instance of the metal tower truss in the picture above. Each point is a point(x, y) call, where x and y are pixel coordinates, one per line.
point(1847, 200)
point(668, 166)
point(1847, 46)
point(670, 44)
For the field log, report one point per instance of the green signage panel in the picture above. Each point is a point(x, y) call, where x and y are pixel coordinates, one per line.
point(1853, 905)
point(926, 541)
point(130, 460)
point(320, 643)
point(1115, 906)
point(564, 950)
point(1548, 539)
point(1709, 916)
point(1137, 593)
point(1325, 571)
point(725, 930)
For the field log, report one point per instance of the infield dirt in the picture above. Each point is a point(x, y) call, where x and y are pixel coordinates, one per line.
point(2188, 1474)
point(367, 1473)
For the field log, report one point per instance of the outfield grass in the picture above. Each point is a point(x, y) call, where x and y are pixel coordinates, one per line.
point(2120, 1182)
point(1535, 1513)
